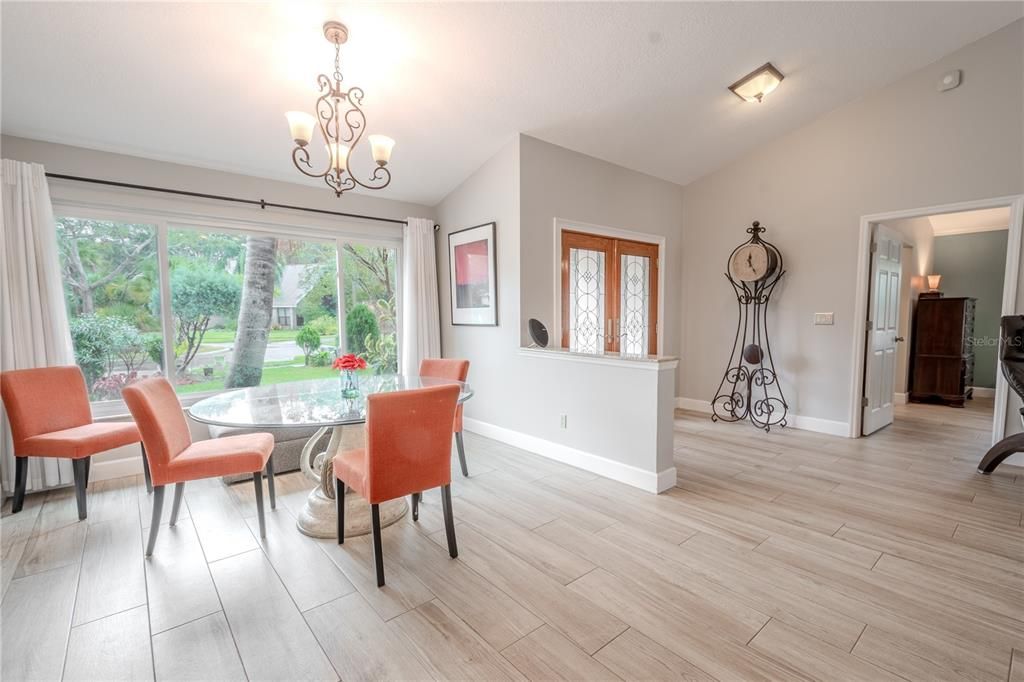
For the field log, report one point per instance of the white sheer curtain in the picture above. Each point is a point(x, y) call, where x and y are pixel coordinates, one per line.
point(421, 330)
point(33, 320)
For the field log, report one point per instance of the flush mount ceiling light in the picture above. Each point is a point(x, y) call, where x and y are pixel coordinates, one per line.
point(342, 123)
point(758, 83)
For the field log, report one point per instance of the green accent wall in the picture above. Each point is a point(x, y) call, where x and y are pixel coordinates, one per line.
point(972, 265)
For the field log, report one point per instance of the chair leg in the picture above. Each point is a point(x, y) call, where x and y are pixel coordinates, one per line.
point(270, 482)
point(154, 524)
point(80, 467)
point(416, 506)
point(462, 453)
point(257, 481)
point(88, 468)
point(378, 553)
point(339, 503)
point(145, 469)
point(179, 491)
point(449, 520)
point(20, 482)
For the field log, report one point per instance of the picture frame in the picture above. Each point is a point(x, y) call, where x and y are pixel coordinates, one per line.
point(473, 276)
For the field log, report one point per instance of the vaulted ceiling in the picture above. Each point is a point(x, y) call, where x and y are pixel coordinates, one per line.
point(640, 85)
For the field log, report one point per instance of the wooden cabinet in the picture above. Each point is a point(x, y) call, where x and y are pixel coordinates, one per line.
point(942, 364)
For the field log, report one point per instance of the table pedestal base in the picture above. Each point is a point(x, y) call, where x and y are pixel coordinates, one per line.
point(319, 517)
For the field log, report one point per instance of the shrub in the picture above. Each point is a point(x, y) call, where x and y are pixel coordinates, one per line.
point(154, 343)
point(101, 341)
point(308, 340)
point(325, 325)
point(382, 354)
point(360, 328)
point(321, 358)
point(109, 387)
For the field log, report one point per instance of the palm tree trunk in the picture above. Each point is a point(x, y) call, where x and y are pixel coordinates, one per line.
point(246, 367)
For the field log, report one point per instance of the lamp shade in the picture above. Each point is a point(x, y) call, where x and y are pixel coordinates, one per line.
point(339, 155)
point(933, 282)
point(758, 83)
point(301, 126)
point(381, 146)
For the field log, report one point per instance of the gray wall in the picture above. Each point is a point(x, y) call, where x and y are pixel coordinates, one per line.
point(560, 183)
point(901, 147)
point(90, 163)
point(614, 412)
point(973, 265)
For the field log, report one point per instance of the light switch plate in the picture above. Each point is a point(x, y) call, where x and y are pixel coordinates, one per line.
point(824, 318)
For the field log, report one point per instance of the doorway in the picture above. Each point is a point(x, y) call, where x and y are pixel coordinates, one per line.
point(929, 349)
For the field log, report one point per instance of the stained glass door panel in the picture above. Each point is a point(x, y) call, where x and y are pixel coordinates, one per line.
point(634, 304)
point(587, 308)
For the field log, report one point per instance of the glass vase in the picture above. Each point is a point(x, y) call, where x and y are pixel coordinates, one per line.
point(349, 385)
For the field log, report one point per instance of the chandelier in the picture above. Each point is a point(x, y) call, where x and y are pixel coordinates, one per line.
point(342, 123)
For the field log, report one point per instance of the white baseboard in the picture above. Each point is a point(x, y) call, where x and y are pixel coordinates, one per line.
point(654, 482)
point(829, 426)
point(115, 468)
point(982, 392)
point(900, 398)
point(703, 406)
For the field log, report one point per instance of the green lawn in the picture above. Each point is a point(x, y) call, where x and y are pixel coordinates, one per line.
point(273, 373)
point(228, 335)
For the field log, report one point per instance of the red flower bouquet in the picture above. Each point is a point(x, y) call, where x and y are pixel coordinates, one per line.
point(349, 362)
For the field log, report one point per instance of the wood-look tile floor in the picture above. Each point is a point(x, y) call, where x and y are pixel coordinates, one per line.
point(789, 555)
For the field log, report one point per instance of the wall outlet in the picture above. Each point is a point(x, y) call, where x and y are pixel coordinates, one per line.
point(824, 318)
point(563, 421)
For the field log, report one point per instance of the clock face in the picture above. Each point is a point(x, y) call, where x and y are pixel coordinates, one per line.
point(751, 263)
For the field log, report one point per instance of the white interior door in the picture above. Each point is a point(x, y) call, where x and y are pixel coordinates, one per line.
point(884, 307)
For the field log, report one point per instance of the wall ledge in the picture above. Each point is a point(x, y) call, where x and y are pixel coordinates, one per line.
point(656, 363)
point(650, 481)
point(796, 421)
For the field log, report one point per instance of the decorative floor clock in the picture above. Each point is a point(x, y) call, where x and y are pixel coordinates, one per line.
point(750, 388)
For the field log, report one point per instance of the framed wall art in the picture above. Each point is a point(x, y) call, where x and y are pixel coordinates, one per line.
point(473, 275)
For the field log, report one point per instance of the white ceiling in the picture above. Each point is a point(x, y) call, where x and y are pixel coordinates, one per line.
point(641, 85)
point(963, 222)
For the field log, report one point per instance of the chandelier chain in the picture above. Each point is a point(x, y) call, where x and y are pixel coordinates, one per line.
point(337, 63)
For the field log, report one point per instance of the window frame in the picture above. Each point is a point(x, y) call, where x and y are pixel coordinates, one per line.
point(608, 233)
point(165, 220)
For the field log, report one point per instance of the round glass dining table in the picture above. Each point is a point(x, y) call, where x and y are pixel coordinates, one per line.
point(316, 403)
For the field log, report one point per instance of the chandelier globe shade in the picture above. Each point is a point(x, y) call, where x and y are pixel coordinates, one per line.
point(339, 117)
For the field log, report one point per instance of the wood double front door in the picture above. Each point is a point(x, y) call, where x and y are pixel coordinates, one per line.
point(609, 294)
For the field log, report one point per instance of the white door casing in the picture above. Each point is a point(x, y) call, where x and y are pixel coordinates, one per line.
point(883, 328)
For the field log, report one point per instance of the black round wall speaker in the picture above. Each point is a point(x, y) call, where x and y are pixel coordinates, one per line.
point(538, 332)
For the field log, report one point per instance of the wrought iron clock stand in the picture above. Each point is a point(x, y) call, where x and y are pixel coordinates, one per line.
point(750, 388)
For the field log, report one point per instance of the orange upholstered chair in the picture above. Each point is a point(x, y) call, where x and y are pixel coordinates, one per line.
point(408, 449)
point(458, 370)
point(174, 458)
point(50, 416)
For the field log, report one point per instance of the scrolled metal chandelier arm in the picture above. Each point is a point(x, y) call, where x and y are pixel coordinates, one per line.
point(356, 128)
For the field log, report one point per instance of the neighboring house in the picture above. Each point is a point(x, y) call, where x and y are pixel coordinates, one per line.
point(296, 281)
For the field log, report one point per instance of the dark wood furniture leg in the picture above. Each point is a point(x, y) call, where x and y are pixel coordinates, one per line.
point(20, 482)
point(1000, 451)
point(80, 467)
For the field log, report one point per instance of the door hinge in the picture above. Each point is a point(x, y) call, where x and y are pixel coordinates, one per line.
point(864, 402)
point(874, 247)
point(871, 325)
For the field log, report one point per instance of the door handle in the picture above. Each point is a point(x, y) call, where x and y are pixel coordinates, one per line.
point(899, 339)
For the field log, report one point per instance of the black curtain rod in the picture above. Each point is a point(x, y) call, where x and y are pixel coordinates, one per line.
point(254, 202)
